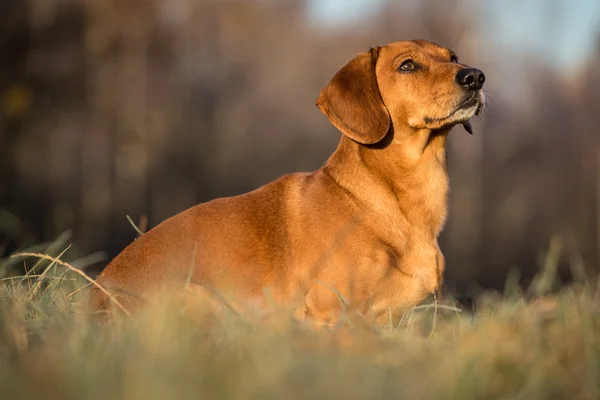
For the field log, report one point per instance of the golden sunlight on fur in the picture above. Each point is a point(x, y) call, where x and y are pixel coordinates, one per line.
point(358, 235)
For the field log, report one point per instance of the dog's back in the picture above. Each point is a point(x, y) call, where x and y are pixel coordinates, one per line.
point(242, 243)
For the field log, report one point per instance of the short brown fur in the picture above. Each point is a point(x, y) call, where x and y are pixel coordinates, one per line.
point(364, 226)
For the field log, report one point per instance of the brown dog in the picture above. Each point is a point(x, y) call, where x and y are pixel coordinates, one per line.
point(361, 232)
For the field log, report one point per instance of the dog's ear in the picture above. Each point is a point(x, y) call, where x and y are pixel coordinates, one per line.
point(352, 101)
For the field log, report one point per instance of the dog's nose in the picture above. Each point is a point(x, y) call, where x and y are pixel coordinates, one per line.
point(470, 78)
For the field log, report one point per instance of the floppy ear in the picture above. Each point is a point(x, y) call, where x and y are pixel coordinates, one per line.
point(352, 101)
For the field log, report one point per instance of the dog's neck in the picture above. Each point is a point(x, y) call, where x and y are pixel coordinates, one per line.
point(405, 180)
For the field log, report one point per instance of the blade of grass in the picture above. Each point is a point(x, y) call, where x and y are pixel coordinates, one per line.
point(342, 301)
point(78, 290)
point(40, 280)
point(192, 269)
point(135, 227)
point(434, 320)
point(83, 274)
point(21, 277)
point(46, 248)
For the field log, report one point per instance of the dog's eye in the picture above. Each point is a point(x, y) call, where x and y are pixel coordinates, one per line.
point(453, 59)
point(408, 66)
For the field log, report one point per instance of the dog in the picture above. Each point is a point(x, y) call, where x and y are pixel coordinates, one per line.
point(360, 233)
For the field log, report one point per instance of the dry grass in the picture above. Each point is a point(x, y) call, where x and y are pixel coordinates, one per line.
point(52, 347)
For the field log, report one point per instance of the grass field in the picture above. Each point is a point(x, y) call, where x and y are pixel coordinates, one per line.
point(52, 347)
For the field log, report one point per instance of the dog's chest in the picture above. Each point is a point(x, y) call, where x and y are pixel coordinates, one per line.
point(428, 206)
point(419, 269)
point(436, 201)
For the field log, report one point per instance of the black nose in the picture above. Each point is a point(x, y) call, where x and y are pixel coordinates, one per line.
point(470, 78)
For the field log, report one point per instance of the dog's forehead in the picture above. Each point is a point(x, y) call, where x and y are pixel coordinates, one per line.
point(425, 46)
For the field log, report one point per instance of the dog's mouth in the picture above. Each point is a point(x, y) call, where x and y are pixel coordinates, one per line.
point(469, 103)
point(476, 102)
point(463, 112)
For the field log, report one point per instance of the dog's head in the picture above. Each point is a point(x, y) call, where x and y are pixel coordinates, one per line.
point(415, 84)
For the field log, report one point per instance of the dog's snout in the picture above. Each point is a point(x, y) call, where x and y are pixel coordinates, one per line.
point(470, 78)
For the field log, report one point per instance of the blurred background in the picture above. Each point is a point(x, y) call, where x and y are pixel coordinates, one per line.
point(111, 108)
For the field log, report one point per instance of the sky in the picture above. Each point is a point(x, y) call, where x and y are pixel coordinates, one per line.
point(517, 25)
